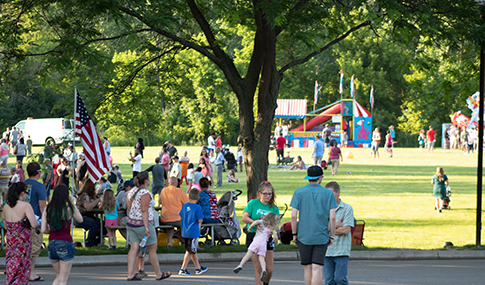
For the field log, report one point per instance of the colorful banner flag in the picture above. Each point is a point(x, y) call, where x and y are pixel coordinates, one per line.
point(372, 97)
point(97, 160)
point(341, 82)
point(352, 91)
point(316, 93)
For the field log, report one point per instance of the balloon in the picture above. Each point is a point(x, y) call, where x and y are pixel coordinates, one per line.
point(349, 155)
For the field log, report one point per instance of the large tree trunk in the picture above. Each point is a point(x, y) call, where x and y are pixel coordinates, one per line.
point(255, 137)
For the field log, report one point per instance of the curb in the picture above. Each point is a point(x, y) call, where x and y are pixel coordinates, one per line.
point(176, 258)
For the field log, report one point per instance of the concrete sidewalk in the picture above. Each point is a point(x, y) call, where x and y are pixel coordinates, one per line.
point(170, 258)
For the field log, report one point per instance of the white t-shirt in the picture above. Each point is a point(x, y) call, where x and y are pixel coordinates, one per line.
point(239, 154)
point(211, 143)
point(15, 178)
point(284, 130)
point(137, 163)
point(176, 171)
point(190, 173)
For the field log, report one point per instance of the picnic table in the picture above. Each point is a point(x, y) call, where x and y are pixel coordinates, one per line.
point(97, 212)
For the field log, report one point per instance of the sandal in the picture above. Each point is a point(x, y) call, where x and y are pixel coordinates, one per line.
point(134, 278)
point(165, 275)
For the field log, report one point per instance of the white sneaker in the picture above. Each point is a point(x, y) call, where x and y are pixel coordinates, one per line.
point(237, 269)
point(201, 270)
point(184, 272)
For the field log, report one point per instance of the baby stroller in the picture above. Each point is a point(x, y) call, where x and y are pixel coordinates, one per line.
point(231, 229)
point(446, 200)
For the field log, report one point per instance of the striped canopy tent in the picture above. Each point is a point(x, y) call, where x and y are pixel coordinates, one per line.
point(291, 108)
point(360, 111)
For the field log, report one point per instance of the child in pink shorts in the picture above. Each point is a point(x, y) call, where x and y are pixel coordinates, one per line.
point(266, 228)
point(110, 206)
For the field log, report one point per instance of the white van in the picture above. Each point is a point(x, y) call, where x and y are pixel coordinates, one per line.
point(49, 129)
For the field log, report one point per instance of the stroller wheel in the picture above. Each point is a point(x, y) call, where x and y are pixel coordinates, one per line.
point(234, 241)
point(208, 242)
point(221, 242)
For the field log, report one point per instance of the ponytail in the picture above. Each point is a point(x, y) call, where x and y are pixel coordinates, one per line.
point(140, 178)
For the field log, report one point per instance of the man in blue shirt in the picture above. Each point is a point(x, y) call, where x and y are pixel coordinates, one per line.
point(37, 198)
point(314, 206)
point(219, 166)
point(318, 150)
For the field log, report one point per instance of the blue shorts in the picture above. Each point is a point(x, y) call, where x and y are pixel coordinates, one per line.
point(61, 250)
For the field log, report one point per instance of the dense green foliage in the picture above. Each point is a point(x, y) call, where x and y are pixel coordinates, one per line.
point(158, 91)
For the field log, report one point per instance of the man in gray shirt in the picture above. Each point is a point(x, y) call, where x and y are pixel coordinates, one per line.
point(14, 136)
point(159, 175)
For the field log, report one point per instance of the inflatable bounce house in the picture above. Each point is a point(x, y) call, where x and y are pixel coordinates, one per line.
point(343, 116)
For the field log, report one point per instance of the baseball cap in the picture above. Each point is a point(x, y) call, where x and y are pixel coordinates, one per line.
point(314, 172)
point(128, 183)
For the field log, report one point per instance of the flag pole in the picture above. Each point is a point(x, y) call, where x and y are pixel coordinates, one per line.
point(73, 128)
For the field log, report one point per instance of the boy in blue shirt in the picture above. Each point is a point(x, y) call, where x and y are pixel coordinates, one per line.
point(191, 222)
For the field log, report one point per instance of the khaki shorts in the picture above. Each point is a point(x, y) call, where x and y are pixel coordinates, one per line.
point(136, 234)
point(335, 164)
point(37, 240)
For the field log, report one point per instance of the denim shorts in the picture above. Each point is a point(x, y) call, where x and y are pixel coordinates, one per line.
point(61, 250)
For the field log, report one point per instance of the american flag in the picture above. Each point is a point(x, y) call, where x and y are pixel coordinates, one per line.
point(96, 157)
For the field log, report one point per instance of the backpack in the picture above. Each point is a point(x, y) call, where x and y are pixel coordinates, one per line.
point(112, 177)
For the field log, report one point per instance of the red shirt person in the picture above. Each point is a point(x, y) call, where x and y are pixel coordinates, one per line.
point(280, 147)
point(430, 138)
point(218, 141)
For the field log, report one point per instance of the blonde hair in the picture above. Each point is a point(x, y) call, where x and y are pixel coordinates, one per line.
point(271, 221)
point(440, 173)
point(109, 200)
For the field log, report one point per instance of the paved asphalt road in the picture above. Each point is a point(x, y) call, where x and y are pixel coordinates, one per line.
point(393, 272)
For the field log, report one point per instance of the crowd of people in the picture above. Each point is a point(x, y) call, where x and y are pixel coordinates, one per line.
point(462, 138)
point(323, 231)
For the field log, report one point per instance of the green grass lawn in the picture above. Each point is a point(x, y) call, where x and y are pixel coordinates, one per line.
point(395, 199)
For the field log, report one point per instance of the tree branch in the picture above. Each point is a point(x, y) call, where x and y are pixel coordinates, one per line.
point(127, 82)
point(203, 24)
point(322, 49)
point(204, 51)
point(224, 62)
point(58, 50)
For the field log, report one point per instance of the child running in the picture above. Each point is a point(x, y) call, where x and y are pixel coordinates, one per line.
point(266, 228)
point(192, 218)
point(110, 206)
point(421, 139)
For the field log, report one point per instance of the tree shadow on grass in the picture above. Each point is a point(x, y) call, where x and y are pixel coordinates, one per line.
point(413, 223)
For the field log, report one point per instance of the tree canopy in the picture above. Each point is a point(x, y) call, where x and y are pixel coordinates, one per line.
point(140, 54)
